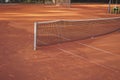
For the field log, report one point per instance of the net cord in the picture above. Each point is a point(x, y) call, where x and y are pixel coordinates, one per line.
point(53, 21)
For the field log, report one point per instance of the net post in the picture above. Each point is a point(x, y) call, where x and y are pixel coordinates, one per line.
point(35, 36)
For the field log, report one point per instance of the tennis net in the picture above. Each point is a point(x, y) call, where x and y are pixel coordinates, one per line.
point(59, 31)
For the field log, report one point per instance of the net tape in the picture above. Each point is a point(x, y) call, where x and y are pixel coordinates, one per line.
point(59, 31)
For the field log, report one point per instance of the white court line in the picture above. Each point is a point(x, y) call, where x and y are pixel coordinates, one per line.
point(93, 62)
point(98, 49)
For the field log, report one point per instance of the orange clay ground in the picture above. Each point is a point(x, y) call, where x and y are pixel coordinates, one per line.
point(91, 59)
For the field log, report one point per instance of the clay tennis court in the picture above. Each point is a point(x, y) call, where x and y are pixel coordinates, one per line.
point(89, 59)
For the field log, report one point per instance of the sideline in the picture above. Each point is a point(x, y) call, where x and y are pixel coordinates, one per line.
point(93, 62)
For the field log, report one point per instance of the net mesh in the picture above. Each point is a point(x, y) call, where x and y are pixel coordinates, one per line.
point(53, 32)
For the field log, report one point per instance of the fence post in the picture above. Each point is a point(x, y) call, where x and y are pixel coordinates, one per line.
point(109, 6)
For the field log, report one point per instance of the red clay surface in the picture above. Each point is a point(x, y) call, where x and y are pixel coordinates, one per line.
point(92, 59)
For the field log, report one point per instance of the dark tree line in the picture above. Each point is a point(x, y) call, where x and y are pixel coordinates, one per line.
point(102, 1)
